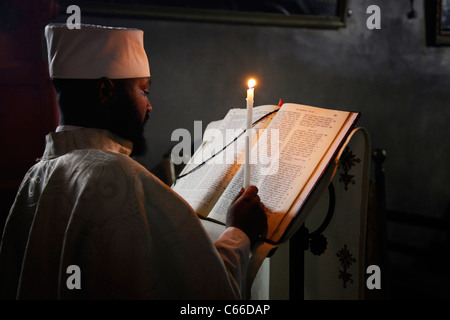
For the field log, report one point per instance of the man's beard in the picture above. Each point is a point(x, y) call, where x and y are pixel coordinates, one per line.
point(128, 125)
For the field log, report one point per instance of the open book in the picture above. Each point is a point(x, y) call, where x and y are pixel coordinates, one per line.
point(292, 146)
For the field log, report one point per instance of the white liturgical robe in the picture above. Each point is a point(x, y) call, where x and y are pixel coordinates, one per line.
point(87, 204)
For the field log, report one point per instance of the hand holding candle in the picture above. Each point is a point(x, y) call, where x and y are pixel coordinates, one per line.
point(250, 92)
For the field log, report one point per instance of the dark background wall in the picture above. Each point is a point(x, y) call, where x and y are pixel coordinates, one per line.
point(398, 83)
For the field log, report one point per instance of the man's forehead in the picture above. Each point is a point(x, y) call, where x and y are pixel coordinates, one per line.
point(146, 80)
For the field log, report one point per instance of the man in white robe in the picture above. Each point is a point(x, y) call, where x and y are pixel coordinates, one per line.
point(88, 221)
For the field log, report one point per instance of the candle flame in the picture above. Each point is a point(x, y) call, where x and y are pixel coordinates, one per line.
point(251, 83)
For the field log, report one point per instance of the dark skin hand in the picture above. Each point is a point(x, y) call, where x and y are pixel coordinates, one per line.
point(246, 212)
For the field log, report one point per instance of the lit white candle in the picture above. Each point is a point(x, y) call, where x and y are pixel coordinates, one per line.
point(250, 93)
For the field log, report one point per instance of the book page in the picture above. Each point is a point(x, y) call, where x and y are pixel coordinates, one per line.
point(304, 136)
point(316, 175)
point(204, 186)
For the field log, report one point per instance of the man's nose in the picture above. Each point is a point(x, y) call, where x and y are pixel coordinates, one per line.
point(149, 106)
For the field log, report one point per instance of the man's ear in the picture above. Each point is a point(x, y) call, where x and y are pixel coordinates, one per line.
point(105, 90)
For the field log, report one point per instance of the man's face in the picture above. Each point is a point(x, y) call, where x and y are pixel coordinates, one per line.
point(139, 90)
point(131, 111)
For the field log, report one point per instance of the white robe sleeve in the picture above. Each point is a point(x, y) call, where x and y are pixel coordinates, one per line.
point(234, 248)
point(198, 268)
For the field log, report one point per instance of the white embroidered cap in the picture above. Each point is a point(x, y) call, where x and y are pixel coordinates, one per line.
point(95, 51)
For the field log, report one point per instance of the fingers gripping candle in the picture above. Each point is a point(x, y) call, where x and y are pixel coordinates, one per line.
point(250, 93)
